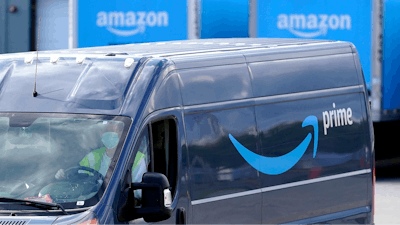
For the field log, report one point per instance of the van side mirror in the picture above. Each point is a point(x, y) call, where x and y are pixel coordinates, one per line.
point(155, 201)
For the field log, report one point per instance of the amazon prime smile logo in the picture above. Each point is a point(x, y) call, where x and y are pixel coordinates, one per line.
point(131, 23)
point(312, 25)
point(280, 164)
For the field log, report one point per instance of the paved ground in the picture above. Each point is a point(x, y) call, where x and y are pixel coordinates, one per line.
point(387, 197)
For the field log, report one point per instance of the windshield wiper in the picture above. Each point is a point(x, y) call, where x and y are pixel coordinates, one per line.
point(37, 204)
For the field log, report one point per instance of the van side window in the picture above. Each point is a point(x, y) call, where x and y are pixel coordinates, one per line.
point(165, 150)
point(142, 157)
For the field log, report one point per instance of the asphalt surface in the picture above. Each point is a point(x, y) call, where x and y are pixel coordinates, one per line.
point(387, 196)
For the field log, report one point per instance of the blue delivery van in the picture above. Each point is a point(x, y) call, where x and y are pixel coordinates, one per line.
point(240, 131)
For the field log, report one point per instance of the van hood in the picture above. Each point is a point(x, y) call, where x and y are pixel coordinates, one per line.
point(25, 220)
point(32, 219)
point(69, 84)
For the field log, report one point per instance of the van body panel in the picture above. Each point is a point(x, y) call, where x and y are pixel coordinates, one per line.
point(357, 63)
point(307, 201)
point(352, 216)
point(168, 94)
point(297, 51)
point(303, 74)
point(365, 101)
point(341, 150)
point(284, 120)
point(216, 167)
point(207, 59)
point(215, 84)
point(272, 99)
point(241, 210)
point(369, 139)
point(142, 100)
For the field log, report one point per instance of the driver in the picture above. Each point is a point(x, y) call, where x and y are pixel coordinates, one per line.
point(100, 159)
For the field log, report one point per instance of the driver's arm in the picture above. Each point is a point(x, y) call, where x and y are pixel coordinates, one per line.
point(60, 175)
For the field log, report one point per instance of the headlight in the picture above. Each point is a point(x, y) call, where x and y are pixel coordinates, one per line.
point(84, 218)
point(91, 219)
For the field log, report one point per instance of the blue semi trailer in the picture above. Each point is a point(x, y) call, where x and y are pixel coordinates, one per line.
point(371, 25)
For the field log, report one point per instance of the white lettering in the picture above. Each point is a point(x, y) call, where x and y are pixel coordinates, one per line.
point(101, 19)
point(130, 19)
point(299, 24)
point(151, 19)
point(141, 16)
point(116, 19)
point(349, 114)
point(333, 22)
point(334, 115)
point(331, 114)
point(341, 117)
point(325, 117)
point(345, 22)
point(162, 19)
point(322, 23)
point(282, 22)
point(298, 21)
point(136, 21)
point(312, 21)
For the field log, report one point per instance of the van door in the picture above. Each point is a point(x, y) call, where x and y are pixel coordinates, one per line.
point(160, 149)
point(223, 187)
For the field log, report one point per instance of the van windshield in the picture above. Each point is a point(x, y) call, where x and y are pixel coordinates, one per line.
point(58, 158)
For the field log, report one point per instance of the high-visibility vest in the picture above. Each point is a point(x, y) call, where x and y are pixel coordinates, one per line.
point(140, 163)
point(93, 159)
point(139, 166)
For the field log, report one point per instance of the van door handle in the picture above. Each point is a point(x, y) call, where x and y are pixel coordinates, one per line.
point(181, 216)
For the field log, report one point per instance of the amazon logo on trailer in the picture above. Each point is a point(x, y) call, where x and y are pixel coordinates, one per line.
point(313, 25)
point(131, 23)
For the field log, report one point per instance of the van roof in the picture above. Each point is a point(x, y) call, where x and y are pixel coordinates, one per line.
point(100, 84)
point(187, 46)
